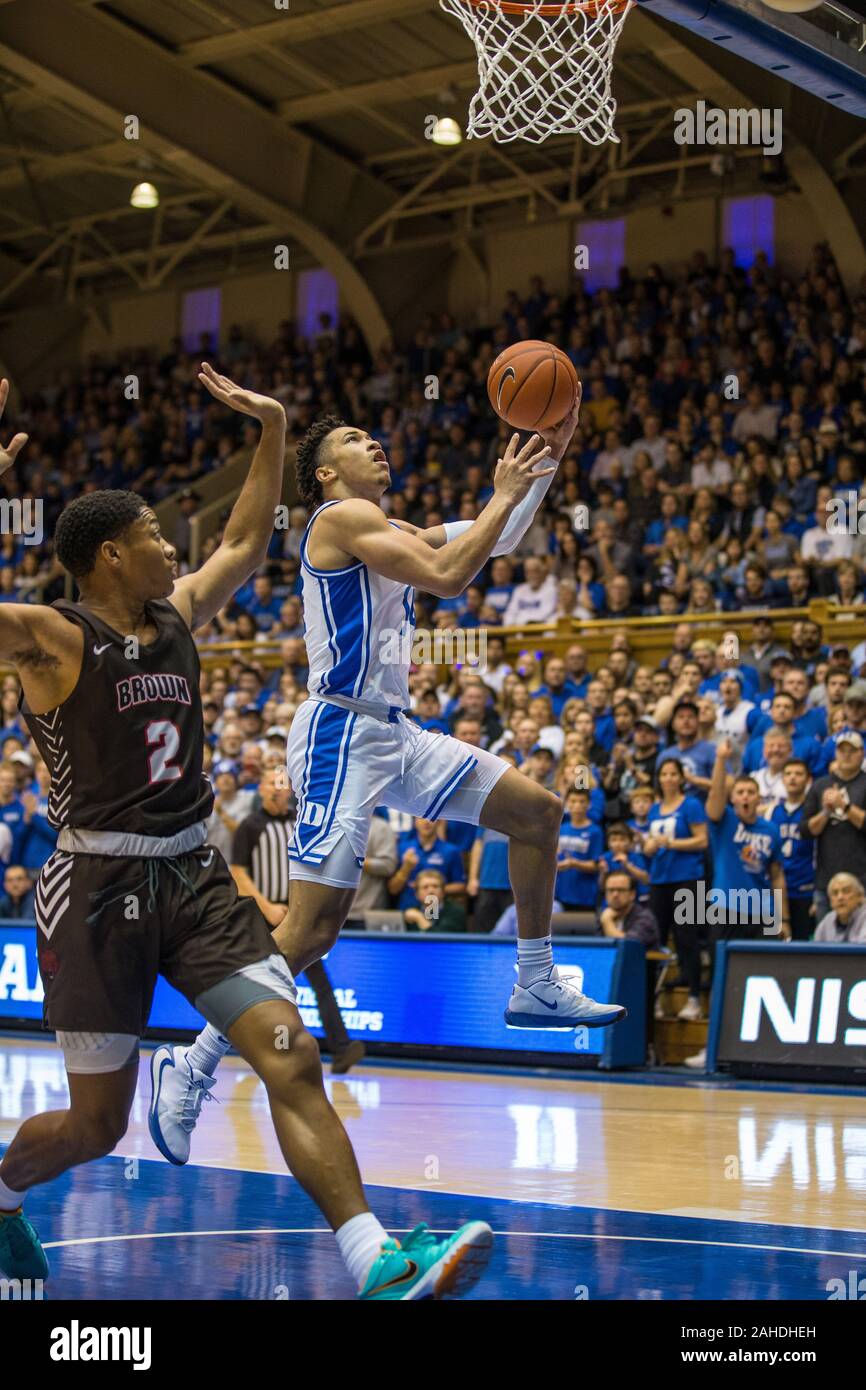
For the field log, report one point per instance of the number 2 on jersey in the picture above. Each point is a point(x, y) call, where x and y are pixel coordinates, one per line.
point(163, 737)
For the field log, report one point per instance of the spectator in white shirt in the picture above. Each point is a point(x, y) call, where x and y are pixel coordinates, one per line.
point(846, 920)
point(652, 441)
point(495, 667)
point(756, 417)
point(712, 469)
point(821, 545)
point(536, 599)
point(612, 462)
point(771, 783)
point(733, 712)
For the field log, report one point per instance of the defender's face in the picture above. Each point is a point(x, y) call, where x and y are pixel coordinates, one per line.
point(148, 560)
point(357, 461)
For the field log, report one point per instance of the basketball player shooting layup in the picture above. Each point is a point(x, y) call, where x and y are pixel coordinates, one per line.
point(111, 697)
point(352, 747)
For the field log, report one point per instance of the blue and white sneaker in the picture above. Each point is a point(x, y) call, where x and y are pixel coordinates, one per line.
point(177, 1091)
point(556, 1003)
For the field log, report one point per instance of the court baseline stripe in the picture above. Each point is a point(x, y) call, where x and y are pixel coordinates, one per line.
point(528, 1235)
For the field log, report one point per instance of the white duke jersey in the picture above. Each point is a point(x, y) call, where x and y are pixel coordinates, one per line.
point(358, 630)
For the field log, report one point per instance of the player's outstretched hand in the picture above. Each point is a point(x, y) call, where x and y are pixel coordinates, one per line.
point(246, 402)
point(16, 444)
point(559, 436)
point(516, 471)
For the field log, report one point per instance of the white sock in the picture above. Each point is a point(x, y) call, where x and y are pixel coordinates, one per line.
point(534, 960)
point(9, 1200)
point(208, 1050)
point(360, 1240)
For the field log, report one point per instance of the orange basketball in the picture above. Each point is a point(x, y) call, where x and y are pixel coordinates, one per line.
point(532, 385)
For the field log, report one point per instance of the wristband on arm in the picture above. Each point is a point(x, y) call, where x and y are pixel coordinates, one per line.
point(518, 522)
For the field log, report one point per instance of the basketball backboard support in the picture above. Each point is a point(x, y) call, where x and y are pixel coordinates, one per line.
point(822, 51)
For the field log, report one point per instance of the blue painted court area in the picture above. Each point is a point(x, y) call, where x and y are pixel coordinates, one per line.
point(135, 1229)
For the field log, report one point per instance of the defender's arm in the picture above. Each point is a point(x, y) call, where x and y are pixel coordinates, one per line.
point(200, 596)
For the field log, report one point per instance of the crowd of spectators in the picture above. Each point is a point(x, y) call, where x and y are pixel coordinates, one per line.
point(723, 419)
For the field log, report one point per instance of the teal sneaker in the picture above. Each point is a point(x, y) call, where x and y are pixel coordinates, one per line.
point(424, 1267)
point(21, 1254)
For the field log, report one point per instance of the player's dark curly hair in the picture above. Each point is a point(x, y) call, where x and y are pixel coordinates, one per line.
point(88, 521)
point(308, 459)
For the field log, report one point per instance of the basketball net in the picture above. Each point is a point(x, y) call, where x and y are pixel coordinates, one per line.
point(544, 69)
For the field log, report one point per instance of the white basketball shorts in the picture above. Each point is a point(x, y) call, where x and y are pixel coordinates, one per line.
point(343, 764)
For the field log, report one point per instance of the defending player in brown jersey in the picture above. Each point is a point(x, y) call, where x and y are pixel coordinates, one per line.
point(111, 696)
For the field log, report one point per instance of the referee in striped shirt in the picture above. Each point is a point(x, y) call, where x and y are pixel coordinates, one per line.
point(260, 868)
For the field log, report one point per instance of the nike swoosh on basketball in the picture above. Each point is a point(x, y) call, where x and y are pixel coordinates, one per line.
point(544, 1001)
point(508, 375)
point(97, 651)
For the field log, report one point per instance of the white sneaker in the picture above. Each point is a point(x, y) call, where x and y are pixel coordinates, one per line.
point(556, 1003)
point(569, 974)
point(699, 1061)
point(691, 1010)
point(177, 1091)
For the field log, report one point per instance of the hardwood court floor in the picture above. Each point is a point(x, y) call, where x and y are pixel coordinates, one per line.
point(628, 1189)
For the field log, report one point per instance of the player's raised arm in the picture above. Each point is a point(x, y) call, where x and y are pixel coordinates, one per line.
point(250, 526)
point(522, 516)
point(360, 529)
point(45, 648)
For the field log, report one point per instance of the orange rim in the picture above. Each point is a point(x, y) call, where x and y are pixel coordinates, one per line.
point(590, 7)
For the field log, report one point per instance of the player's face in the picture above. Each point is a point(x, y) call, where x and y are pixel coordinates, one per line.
point(358, 462)
point(151, 565)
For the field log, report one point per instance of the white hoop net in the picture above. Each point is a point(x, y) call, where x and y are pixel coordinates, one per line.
point(543, 71)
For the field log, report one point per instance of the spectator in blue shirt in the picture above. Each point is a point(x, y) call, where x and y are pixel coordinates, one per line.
point(17, 900)
point(489, 885)
point(798, 854)
point(640, 800)
point(675, 847)
point(622, 854)
point(427, 712)
point(557, 686)
point(422, 848)
point(40, 839)
point(696, 755)
point(747, 858)
point(265, 605)
point(581, 844)
point(501, 588)
point(12, 810)
point(780, 720)
point(806, 720)
point(507, 924)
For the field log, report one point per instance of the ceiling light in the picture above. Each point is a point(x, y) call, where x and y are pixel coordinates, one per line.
point(144, 195)
point(446, 131)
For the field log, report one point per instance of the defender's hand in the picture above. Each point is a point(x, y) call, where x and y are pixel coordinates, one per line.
point(263, 408)
point(16, 444)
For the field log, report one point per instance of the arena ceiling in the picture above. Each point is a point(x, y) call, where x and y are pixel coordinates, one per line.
point(260, 124)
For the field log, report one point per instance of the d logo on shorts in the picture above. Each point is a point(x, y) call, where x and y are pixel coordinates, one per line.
point(313, 813)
